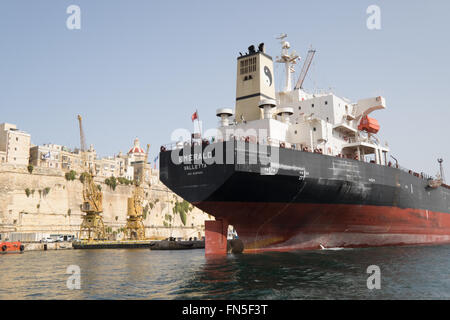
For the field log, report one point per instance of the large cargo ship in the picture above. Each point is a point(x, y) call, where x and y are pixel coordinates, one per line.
point(298, 170)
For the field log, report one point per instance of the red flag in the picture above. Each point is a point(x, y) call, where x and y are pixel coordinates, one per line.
point(194, 116)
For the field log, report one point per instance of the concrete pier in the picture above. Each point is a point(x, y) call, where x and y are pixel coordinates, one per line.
point(131, 244)
point(39, 246)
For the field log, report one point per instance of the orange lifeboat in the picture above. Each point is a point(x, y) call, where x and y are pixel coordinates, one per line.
point(11, 247)
point(370, 125)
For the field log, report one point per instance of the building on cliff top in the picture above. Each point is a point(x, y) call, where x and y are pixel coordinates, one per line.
point(16, 148)
point(62, 158)
point(14, 145)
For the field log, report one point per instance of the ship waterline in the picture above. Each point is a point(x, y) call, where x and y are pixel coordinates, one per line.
point(287, 226)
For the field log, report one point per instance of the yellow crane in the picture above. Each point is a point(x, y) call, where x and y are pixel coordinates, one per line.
point(135, 229)
point(92, 227)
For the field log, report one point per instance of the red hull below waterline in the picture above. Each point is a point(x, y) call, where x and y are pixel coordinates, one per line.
point(293, 226)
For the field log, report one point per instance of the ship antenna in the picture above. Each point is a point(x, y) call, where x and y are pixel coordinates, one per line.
point(289, 60)
point(441, 168)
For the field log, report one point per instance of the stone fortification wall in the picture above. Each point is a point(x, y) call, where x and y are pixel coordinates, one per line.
point(46, 202)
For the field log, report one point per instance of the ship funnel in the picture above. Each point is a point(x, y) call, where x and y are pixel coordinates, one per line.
point(254, 82)
point(224, 114)
point(285, 113)
point(267, 105)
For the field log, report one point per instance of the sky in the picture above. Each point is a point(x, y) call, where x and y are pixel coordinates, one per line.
point(141, 68)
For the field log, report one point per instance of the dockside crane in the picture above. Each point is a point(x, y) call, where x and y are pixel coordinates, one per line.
point(92, 227)
point(135, 229)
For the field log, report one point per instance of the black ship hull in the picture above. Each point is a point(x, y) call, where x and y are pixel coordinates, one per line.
point(303, 200)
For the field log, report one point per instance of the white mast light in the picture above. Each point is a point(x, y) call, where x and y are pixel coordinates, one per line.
point(289, 60)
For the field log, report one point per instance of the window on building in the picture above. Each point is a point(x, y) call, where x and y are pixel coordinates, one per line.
point(17, 139)
point(312, 105)
point(326, 102)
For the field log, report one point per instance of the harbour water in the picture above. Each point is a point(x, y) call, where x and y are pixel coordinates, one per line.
point(419, 272)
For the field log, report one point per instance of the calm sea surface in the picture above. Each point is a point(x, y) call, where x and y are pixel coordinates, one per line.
point(406, 273)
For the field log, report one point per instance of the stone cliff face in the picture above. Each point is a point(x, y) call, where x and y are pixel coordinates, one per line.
point(46, 202)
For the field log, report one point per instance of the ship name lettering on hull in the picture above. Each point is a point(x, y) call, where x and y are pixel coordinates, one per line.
point(194, 167)
point(194, 157)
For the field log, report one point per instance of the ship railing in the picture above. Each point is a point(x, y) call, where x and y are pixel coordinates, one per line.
point(213, 139)
point(421, 175)
point(267, 141)
point(278, 143)
point(249, 139)
point(193, 141)
point(169, 147)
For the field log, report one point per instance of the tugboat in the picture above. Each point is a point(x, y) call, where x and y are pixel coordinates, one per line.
point(11, 247)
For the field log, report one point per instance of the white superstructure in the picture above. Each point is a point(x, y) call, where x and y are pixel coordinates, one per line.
point(293, 118)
